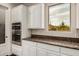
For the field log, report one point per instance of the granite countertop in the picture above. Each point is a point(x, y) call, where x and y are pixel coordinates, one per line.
point(61, 43)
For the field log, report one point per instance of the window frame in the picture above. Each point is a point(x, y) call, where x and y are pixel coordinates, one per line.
point(48, 15)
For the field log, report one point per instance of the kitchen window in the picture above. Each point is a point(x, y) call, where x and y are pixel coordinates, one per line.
point(59, 17)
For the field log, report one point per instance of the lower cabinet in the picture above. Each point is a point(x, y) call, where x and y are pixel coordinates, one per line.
point(29, 51)
point(17, 50)
point(35, 49)
point(44, 52)
point(47, 50)
point(52, 53)
point(69, 52)
point(4, 50)
point(30, 48)
point(41, 52)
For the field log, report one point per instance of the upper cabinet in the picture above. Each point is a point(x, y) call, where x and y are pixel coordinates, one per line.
point(77, 16)
point(16, 13)
point(20, 14)
point(36, 16)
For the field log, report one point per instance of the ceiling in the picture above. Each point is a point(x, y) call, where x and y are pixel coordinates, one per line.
point(27, 4)
point(15, 4)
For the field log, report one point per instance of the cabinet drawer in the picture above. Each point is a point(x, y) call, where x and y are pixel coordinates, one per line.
point(28, 43)
point(49, 47)
point(70, 52)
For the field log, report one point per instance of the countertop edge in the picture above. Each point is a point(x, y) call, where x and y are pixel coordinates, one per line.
point(30, 39)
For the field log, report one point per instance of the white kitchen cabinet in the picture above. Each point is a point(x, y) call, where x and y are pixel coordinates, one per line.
point(40, 49)
point(17, 50)
point(16, 13)
point(29, 51)
point(48, 47)
point(44, 52)
point(69, 52)
point(20, 14)
point(77, 16)
point(47, 50)
point(41, 52)
point(53, 53)
point(29, 48)
point(36, 16)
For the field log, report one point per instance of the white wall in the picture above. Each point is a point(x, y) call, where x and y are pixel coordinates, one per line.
point(72, 33)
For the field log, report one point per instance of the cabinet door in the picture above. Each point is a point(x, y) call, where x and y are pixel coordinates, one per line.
point(36, 16)
point(16, 14)
point(29, 48)
point(25, 50)
point(41, 52)
point(47, 50)
point(13, 15)
point(32, 51)
point(17, 50)
point(69, 52)
point(29, 51)
point(44, 52)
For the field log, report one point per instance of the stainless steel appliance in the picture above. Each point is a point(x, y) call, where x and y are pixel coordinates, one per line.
point(16, 33)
